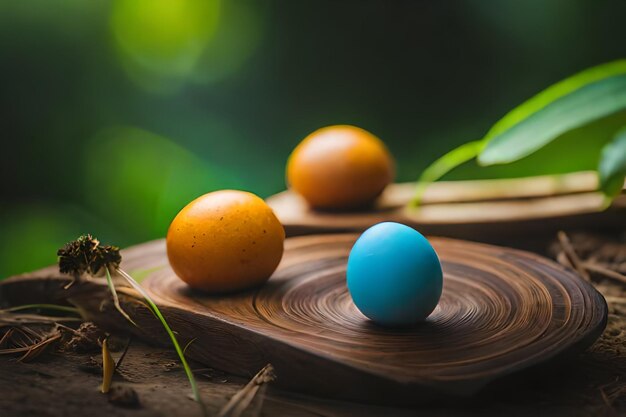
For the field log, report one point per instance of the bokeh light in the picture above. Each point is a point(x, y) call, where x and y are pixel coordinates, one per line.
point(140, 180)
point(165, 44)
point(240, 31)
point(212, 94)
point(163, 38)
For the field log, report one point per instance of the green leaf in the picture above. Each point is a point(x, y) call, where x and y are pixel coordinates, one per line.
point(555, 92)
point(567, 106)
point(524, 131)
point(557, 157)
point(612, 167)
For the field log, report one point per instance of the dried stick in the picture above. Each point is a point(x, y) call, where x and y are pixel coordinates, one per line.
point(121, 358)
point(609, 273)
point(572, 256)
point(242, 399)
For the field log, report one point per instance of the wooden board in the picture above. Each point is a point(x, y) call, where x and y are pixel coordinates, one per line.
point(496, 211)
point(502, 311)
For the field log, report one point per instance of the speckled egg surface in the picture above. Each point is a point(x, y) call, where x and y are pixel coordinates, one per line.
point(225, 241)
point(394, 275)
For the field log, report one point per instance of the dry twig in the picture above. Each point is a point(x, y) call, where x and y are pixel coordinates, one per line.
point(606, 272)
point(242, 399)
point(121, 358)
point(27, 341)
point(572, 256)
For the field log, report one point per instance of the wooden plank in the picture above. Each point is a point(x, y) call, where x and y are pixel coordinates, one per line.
point(494, 211)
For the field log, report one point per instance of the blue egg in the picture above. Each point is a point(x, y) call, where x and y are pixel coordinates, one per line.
point(394, 275)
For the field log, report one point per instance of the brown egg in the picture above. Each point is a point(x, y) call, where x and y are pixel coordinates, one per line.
point(225, 241)
point(340, 167)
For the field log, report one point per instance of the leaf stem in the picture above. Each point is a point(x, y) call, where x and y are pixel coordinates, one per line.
point(443, 165)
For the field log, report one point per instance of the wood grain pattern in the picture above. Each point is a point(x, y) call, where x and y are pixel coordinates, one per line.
point(494, 211)
point(502, 311)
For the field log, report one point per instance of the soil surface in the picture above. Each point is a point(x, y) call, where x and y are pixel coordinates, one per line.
point(150, 381)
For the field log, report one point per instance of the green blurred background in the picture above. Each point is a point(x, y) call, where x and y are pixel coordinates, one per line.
point(117, 113)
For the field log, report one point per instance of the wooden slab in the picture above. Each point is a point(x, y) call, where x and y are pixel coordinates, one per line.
point(495, 211)
point(502, 311)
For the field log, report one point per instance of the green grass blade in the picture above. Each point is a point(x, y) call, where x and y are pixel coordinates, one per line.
point(612, 166)
point(443, 165)
point(170, 333)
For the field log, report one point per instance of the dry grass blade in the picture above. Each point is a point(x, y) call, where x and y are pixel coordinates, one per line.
point(32, 332)
point(620, 392)
point(38, 348)
point(54, 307)
point(116, 300)
point(24, 337)
point(242, 399)
point(69, 284)
point(8, 351)
point(572, 256)
point(188, 344)
point(20, 319)
point(108, 367)
point(615, 300)
point(609, 273)
point(121, 358)
point(28, 342)
point(6, 337)
point(562, 258)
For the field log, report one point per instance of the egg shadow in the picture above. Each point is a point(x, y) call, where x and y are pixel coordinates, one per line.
point(193, 293)
point(422, 327)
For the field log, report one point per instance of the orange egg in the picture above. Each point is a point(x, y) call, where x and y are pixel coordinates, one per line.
point(225, 241)
point(340, 167)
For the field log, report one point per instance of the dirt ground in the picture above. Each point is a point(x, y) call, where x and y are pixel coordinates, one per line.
point(65, 383)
